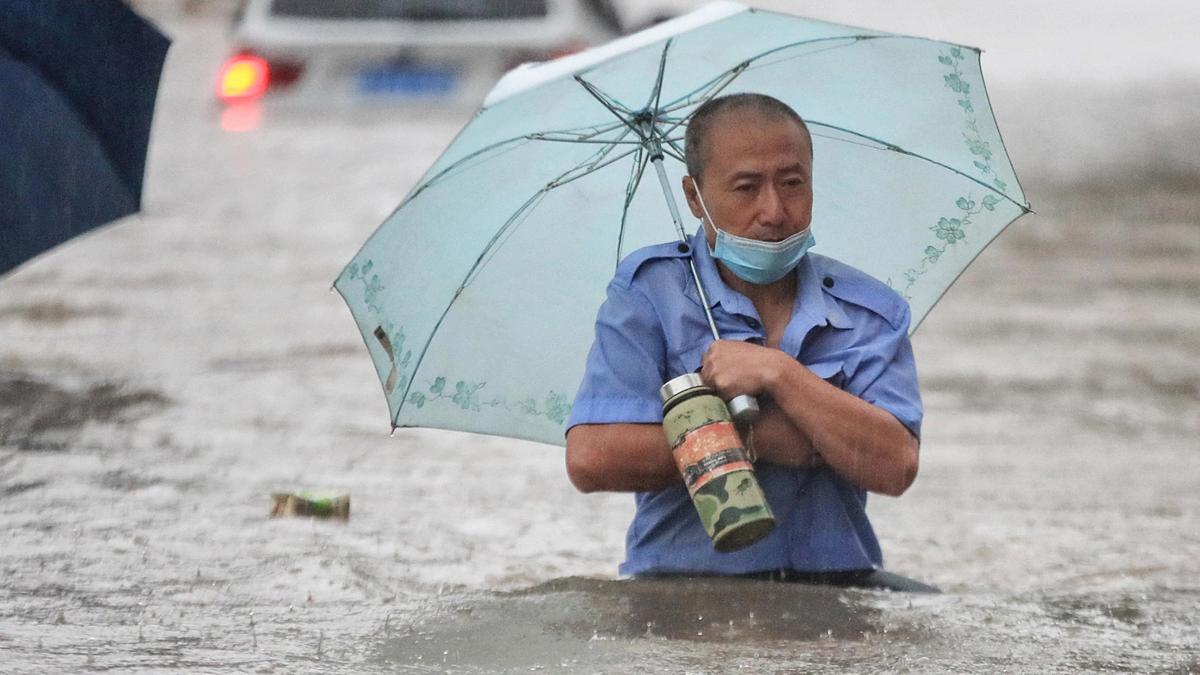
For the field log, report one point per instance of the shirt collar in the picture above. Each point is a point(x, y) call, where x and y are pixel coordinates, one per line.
point(811, 299)
point(714, 286)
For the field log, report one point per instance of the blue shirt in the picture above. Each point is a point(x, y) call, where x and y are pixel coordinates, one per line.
point(847, 327)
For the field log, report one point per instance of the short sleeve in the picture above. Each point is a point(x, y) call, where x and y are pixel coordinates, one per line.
point(626, 364)
point(887, 374)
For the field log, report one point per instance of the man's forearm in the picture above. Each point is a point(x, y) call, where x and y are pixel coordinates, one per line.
point(863, 443)
point(620, 458)
point(774, 438)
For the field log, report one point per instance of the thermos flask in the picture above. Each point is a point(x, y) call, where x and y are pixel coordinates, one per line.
point(713, 462)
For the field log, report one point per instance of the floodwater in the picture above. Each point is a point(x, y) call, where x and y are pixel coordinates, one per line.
point(160, 378)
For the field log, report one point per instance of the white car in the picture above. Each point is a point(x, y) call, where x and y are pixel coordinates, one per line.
point(355, 51)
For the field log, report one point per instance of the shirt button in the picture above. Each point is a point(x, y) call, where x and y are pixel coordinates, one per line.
point(753, 324)
point(828, 281)
point(684, 248)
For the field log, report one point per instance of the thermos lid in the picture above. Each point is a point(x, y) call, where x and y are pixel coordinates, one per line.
point(680, 384)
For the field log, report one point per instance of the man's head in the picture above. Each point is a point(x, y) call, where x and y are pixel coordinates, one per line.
point(751, 155)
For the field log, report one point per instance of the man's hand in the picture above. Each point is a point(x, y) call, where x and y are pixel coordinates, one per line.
point(735, 368)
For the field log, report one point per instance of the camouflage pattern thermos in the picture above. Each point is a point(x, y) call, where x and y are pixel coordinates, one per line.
point(716, 470)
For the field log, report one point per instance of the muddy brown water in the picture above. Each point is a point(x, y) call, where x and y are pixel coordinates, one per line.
point(160, 378)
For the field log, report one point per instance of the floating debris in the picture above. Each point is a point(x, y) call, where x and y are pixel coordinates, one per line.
point(315, 503)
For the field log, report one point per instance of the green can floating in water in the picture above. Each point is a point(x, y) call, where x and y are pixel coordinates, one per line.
point(709, 454)
point(314, 503)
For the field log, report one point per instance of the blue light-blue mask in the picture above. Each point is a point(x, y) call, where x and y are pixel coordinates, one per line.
point(754, 261)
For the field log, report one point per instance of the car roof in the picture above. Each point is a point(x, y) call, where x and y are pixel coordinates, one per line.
point(415, 22)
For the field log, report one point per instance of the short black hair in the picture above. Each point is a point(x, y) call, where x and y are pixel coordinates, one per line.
point(695, 143)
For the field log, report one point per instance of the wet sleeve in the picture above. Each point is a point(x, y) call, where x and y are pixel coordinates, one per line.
point(626, 365)
point(887, 374)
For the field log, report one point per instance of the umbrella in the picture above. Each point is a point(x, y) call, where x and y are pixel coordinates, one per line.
point(476, 297)
point(78, 80)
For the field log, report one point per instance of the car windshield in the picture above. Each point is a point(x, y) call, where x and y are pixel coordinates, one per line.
point(410, 10)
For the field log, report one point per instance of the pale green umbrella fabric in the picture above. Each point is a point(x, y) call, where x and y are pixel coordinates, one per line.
point(477, 296)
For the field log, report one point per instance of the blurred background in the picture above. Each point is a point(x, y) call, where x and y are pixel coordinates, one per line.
point(161, 377)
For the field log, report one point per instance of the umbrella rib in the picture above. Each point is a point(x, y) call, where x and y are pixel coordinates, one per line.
point(591, 164)
point(856, 40)
point(706, 91)
point(656, 92)
point(897, 149)
point(635, 179)
point(612, 104)
point(591, 168)
point(619, 140)
point(596, 130)
point(582, 142)
point(458, 164)
point(583, 138)
point(674, 150)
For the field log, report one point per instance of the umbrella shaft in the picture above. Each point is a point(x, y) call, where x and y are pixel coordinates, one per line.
point(666, 188)
point(712, 324)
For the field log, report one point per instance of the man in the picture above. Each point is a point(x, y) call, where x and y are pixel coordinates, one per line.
point(823, 346)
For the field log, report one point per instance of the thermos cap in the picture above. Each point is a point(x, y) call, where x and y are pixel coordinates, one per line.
point(680, 384)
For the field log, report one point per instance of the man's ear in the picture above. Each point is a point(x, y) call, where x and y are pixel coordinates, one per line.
point(691, 193)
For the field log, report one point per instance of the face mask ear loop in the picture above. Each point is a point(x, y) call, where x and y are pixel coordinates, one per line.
point(708, 221)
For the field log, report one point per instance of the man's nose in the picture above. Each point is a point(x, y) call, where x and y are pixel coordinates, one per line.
point(772, 211)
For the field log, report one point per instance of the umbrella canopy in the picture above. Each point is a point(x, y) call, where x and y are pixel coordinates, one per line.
point(477, 296)
point(78, 79)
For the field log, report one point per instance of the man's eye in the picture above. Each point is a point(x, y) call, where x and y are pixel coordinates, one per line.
point(745, 187)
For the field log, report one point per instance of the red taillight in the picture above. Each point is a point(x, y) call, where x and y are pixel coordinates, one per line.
point(243, 77)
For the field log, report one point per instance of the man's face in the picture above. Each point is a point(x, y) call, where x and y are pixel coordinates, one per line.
point(758, 179)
